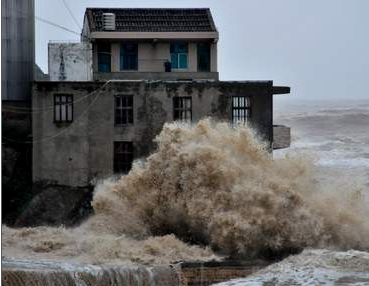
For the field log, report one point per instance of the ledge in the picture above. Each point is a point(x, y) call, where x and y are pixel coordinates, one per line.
point(157, 76)
point(281, 90)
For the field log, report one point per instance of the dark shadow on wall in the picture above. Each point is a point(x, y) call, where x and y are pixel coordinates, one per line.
point(24, 203)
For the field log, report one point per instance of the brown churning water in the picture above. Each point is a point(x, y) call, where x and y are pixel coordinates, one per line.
point(211, 185)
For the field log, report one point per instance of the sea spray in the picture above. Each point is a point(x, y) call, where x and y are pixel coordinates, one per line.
point(217, 185)
point(209, 184)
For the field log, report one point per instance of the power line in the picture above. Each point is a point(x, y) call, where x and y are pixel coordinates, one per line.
point(70, 126)
point(61, 132)
point(49, 107)
point(71, 13)
point(56, 25)
point(47, 22)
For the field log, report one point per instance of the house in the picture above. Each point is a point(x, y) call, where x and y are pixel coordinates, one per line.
point(135, 69)
point(137, 43)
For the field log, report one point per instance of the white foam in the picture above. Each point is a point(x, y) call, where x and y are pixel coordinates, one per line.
point(313, 267)
point(349, 163)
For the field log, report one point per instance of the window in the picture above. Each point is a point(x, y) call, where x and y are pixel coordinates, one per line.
point(182, 108)
point(123, 156)
point(63, 108)
point(179, 55)
point(241, 109)
point(128, 56)
point(203, 57)
point(104, 57)
point(123, 109)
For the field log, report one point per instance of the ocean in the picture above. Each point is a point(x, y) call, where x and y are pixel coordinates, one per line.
point(335, 135)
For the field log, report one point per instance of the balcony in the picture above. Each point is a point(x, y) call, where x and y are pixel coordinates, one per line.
point(156, 76)
point(154, 69)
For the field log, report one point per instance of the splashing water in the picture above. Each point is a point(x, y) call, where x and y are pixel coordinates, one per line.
point(210, 185)
point(312, 267)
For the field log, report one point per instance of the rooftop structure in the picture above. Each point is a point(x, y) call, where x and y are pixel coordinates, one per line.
point(153, 20)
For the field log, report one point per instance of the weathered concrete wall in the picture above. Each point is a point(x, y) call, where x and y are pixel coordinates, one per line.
point(70, 61)
point(209, 273)
point(157, 76)
point(214, 57)
point(151, 57)
point(23, 272)
point(74, 154)
point(281, 136)
point(39, 75)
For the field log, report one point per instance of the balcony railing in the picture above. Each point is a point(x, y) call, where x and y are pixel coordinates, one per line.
point(151, 65)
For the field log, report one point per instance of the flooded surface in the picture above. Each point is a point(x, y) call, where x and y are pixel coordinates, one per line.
point(336, 136)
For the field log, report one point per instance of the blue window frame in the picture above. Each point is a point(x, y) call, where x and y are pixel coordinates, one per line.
point(128, 56)
point(104, 57)
point(179, 55)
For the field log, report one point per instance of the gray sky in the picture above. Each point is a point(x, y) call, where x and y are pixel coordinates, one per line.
point(318, 47)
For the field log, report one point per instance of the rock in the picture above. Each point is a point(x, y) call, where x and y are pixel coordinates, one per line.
point(55, 206)
point(9, 159)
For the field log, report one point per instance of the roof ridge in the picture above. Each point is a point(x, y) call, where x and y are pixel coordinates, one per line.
point(140, 8)
point(155, 19)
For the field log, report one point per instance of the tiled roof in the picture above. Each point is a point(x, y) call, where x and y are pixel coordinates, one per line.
point(154, 20)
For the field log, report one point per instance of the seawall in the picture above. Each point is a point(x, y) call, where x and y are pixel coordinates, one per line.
point(18, 272)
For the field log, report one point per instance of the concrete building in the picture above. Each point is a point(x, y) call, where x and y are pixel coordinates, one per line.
point(17, 68)
point(17, 74)
point(70, 61)
point(17, 49)
point(149, 66)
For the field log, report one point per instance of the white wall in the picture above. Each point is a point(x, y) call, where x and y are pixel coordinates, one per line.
point(70, 61)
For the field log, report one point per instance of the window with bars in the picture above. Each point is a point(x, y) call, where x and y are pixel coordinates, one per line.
point(182, 108)
point(63, 108)
point(241, 109)
point(123, 109)
point(123, 156)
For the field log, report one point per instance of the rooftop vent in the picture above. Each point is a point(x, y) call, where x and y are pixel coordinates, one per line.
point(109, 21)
